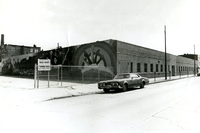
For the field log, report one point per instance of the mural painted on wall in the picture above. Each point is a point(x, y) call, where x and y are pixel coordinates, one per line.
point(96, 58)
point(18, 65)
point(101, 55)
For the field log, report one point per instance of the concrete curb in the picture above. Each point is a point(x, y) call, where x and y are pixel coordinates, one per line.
point(170, 80)
point(76, 95)
point(100, 91)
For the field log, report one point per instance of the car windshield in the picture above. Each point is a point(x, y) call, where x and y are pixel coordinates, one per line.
point(122, 76)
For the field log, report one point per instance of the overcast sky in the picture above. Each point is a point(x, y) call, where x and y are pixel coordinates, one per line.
point(73, 22)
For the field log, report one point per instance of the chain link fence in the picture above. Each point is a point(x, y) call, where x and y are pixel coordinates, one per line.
point(59, 74)
point(170, 75)
point(78, 74)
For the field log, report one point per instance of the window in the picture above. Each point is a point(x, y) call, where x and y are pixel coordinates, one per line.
point(31, 50)
point(122, 76)
point(131, 69)
point(138, 67)
point(145, 67)
point(151, 68)
point(161, 68)
point(36, 50)
point(156, 67)
point(12, 48)
point(134, 76)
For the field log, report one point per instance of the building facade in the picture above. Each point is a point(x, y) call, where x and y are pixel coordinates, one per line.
point(111, 57)
point(15, 50)
point(8, 50)
point(11, 55)
point(133, 58)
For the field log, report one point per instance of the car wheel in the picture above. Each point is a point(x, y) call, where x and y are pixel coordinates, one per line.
point(142, 85)
point(106, 90)
point(125, 87)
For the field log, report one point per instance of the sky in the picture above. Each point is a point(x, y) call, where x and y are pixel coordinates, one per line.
point(46, 23)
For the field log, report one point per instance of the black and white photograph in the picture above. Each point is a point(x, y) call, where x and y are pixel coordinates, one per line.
point(99, 66)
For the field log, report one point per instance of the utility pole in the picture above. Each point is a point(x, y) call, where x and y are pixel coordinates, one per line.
point(165, 54)
point(194, 62)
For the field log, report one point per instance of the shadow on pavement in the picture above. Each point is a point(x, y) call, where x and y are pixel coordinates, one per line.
point(120, 91)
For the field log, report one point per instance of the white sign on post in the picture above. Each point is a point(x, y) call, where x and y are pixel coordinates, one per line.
point(44, 65)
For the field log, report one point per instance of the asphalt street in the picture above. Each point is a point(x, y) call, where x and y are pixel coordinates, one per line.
point(163, 107)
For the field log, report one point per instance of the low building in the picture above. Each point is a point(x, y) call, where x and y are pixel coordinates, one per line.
point(104, 59)
point(14, 50)
point(121, 57)
point(8, 50)
point(11, 54)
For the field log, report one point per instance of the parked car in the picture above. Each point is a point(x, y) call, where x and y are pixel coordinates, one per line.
point(198, 74)
point(123, 82)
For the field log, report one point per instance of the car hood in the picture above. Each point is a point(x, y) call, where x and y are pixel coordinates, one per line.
point(113, 80)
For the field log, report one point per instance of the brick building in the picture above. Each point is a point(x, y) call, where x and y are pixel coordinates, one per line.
point(14, 50)
point(133, 58)
point(113, 57)
point(12, 54)
point(121, 57)
point(8, 50)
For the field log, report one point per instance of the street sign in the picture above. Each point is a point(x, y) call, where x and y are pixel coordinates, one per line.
point(44, 65)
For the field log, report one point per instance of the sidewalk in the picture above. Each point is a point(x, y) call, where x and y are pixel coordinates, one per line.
point(162, 79)
point(77, 89)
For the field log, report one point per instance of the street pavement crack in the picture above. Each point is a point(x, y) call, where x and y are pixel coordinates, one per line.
point(156, 114)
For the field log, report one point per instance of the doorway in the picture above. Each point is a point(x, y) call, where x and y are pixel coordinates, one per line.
point(173, 70)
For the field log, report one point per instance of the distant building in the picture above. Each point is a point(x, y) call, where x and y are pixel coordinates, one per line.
point(191, 56)
point(8, 50)
point(12, 54)
point(13, 50)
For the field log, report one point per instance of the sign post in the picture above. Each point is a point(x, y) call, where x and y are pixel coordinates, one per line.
point(35, 75)
point(44, 65)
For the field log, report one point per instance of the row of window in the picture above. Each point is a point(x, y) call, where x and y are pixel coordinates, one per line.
point(158, 68)
point(183, 68)
point(32, 50)
point(146, 67)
